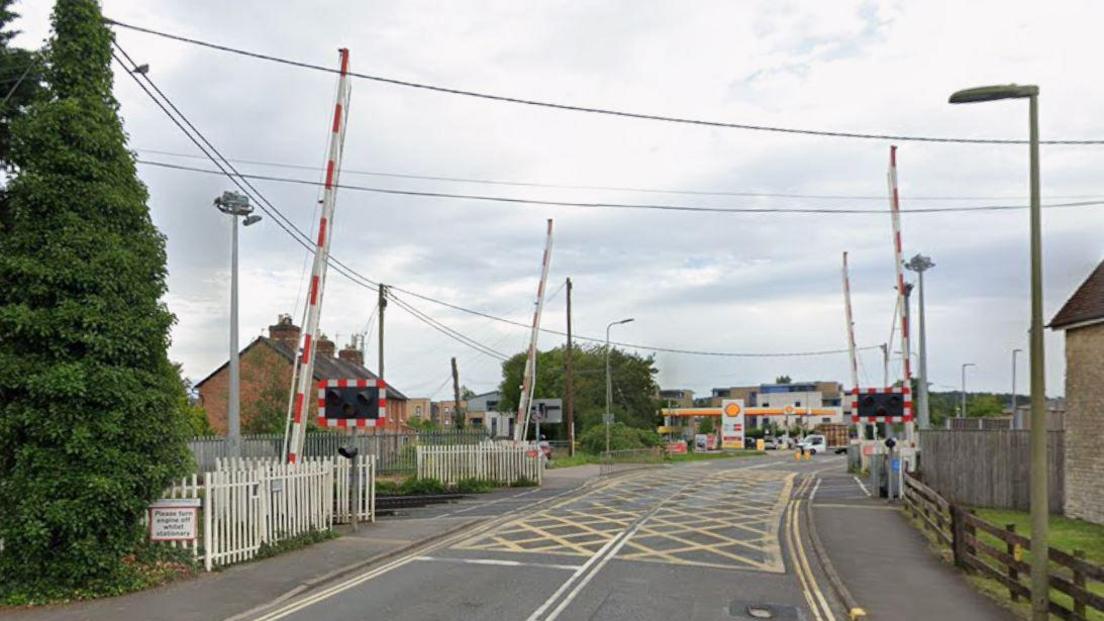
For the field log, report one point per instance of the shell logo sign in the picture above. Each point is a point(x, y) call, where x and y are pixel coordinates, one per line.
point(732, 424)
point(789, 409)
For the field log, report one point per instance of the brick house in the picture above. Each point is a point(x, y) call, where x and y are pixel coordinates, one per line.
point(266, 367)
point(1082, 319)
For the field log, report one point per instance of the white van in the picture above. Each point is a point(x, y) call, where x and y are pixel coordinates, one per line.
point(814, 443)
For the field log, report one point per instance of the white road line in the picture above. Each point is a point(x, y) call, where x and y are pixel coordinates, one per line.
point(812, 496)
point(859, 481)
point(495, 562)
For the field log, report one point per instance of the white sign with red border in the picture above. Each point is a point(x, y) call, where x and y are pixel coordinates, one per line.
point(174, 519)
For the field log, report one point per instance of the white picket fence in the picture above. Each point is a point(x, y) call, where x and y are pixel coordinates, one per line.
point(245, 507)
point(502, 462)
point(365, 476)
point(188, 487)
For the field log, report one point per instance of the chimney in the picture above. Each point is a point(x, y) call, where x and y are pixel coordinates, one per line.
point(284, 331)
point(352, 354)
point(325, 346)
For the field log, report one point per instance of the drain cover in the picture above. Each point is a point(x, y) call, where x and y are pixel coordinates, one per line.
point(740, 609)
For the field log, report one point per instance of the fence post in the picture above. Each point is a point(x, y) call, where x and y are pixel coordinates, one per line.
point(1013, 573)
point(957, 539)
point(972, 531)
point(1079, 580)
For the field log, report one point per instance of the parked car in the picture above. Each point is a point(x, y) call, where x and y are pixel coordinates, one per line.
point(814, 443)
point(771, 444)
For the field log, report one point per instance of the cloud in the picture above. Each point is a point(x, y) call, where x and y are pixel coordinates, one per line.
point(700, 281)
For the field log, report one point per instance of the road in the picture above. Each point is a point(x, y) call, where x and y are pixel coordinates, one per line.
point(709, 540)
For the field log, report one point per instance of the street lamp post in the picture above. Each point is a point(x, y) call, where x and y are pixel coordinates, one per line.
point(609, 383)
point(920, 264)
point(962, 412)
point(1016, 422)
point(1039, 553)
point(235, 205)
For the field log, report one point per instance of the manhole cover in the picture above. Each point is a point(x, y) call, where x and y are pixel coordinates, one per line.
point(740, 609)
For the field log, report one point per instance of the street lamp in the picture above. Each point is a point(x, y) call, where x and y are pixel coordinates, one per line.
point(1040, 581)
point(920, 264)
point(609, 384)
point(962, 413)
point(1016, 422)
point(237, 206)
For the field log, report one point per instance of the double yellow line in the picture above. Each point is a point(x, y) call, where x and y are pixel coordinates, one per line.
point(814, 597)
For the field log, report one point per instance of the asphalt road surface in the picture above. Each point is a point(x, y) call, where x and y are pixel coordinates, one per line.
point(711, 540)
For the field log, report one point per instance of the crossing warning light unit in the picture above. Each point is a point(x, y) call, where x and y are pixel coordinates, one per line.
point(352, 403)
point(881, 405)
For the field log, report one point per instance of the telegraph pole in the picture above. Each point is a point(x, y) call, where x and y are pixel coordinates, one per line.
point(382, 305)
point(457, 413)
point(569, 380)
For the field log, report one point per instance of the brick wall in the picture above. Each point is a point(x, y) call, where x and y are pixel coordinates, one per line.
point(1084, 421)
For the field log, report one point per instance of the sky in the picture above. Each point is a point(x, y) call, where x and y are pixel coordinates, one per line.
point(723, 282)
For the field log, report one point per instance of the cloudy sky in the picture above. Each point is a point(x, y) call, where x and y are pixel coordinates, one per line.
point(754, 283)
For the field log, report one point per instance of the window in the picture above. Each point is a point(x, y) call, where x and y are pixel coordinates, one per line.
point(797, 404)
point(826, 419)
point(766, 405)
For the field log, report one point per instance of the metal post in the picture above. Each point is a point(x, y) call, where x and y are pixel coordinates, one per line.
point(920, 264)
point(569, 380)
point(233, 414)
point(609, 382)
point(1040, 591)
point(1017, 423)
point(382, 306)
point(962, 412)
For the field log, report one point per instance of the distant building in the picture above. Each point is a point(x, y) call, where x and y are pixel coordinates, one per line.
point(484, 408)
point(419, 407)
point(443, 412)
point(1082, 319)
point(677, 397)
point(266, 367)
point(797, 396)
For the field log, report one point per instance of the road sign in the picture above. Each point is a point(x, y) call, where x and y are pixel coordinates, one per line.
point(174, 519)
point(348, 403)
point(547, 410)
point(732, 424)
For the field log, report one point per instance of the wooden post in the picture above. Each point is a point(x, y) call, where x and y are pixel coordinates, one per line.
point(457, 413)
point(972, 531)
point(1079, 580)
point(957, 538)
point(1013, 573)
point(379, 370)
point(569, 380)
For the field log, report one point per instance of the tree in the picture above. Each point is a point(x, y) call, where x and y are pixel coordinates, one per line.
point(89, 428)
point(707, 425)
point(783, 379)
point(633, 377)
point(22, 76)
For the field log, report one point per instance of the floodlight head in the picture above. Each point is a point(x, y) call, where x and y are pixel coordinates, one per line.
point(919, 263)
point(141, 69)
point(629, 320)
point(993, 93)
point(251, 219)
point(234, 204)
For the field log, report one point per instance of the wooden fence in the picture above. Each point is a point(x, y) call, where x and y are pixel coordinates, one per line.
point(394, 451)
point(502, 462)
point(989, 468)
point(998, 553)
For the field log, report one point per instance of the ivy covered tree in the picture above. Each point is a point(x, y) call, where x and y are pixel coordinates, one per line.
point(90, 428)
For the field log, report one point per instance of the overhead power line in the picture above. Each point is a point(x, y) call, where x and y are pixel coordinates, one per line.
point(589, 109)
point(196, 137)
point(614, 188)
point(607, 205)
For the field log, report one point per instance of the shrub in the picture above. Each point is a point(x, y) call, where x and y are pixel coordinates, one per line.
point(622, 437)
point(414, 486)
point(473, 486)
point(90, 428)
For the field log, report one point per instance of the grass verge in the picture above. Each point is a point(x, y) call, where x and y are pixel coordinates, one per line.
point(1064, 534)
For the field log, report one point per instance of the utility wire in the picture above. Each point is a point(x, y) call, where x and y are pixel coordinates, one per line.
point(589, 109)
point(449, 332)
point(606, 205)
point(614, 188)
point(355, 277)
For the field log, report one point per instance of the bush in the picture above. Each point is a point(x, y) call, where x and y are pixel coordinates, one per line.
point(90, 425)
point(622, 437)
point(473, 486)
point(414, 486)
point(524, 482)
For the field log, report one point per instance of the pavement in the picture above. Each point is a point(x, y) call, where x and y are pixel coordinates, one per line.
point(720, 539)
point(886, 563)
